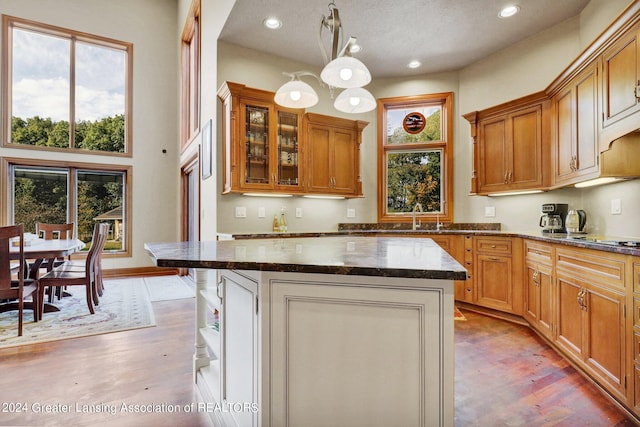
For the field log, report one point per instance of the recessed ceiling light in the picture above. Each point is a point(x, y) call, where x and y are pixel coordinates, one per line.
point(414, 64)
point(272, 23)
point(509, 11)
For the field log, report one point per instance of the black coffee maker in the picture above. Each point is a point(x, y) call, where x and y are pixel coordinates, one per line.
point(553, 218)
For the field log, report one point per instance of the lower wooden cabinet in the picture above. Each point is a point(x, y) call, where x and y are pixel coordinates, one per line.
point(538, 297)
point(498, 273)
point(591, 324)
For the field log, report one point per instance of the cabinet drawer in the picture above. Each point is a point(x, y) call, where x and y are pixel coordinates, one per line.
point(636, 311)
point(593, 266)
point(537, 252)
point(498, 246)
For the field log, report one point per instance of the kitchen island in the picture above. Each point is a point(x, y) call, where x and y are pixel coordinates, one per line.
point(343, 330)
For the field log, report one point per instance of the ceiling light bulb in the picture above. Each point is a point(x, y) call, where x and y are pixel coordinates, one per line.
point(272, 23)
point(346, 74)
point(354, 101)
point(508, 11)
point(295, 95)
point(414, 64)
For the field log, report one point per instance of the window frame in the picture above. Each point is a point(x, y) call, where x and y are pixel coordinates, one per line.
point(190, 76)
point(445, 101)
point(10, 22)
point(6, 194)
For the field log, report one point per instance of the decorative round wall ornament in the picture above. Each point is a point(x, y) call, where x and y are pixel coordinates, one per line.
point(414, 123)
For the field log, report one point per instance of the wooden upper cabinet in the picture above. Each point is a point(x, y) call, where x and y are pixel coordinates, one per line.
point(333, 155)
point(620, 86)
point(261, 142)
point(270, 149)
point(509, 144)
point(575, 132)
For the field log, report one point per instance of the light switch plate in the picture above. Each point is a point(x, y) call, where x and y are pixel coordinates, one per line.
point(241, 212)
point(489, 211)
point(261, 212)
point(616, 207)
point(298, 212)
point(351, 213)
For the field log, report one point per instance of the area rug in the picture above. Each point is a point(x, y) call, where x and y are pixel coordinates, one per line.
point(457, 314)
point(163, 288)
point(124, 305)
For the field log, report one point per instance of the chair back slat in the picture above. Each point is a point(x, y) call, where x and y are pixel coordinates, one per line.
point(7, 234)
point(54, 231)
point(98, 241)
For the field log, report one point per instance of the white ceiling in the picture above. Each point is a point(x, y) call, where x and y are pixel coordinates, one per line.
point(444, 35)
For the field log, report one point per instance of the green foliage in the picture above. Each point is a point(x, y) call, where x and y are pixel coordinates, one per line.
point(414, 176)
point(107, 134)
point(39, 201)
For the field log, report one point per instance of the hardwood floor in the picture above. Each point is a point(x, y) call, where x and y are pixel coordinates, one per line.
point(505, 376)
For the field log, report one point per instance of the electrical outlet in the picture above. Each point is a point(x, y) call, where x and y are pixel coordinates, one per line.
point(241, 212)
point(351, 213)
point(298, 212)
point(616, 207)
point(261, 212)
point(489, 211)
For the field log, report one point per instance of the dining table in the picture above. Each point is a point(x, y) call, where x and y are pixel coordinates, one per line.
point(39, 250)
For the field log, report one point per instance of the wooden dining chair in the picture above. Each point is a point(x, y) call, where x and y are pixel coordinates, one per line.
point(48, 231)
point(79, 266)
point(20, 287)
point(67, 274)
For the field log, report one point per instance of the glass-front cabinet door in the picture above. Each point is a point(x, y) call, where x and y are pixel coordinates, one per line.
point(257, 147)
point(288, 173)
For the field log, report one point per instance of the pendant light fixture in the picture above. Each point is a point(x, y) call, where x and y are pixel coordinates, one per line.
point(341, 71)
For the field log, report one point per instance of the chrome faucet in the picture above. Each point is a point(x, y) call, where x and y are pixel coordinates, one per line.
point(418, 206)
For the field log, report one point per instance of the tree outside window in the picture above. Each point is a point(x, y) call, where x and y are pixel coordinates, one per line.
point(66, 90)
point(74, 194)
point(414, 160)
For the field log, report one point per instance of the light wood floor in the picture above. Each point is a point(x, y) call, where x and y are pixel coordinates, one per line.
point(504, 376)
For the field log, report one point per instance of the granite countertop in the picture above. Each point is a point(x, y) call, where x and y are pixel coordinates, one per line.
point(588, 241)
point(338, 254)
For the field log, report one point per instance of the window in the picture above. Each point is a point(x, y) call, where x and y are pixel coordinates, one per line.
point(65, 89)
point(414, 157)
point(79, 193)
point(190, 75)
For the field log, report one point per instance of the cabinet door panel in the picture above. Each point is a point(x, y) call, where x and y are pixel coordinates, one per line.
point(570, 332)
point(344, 160)
point(605, 351)
point(493, 154)
point(239, 367)
point(586, 101)
point(494, 284)
point(526, 169)
point(319, 149)
point(545, 315)
point(531, 295)
point(564, 134)
point(620, 78)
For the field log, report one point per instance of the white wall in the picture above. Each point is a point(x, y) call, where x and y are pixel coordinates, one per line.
point(151, 26)
point(519, 70)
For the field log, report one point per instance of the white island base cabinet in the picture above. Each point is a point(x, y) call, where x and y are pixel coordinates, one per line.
point(309, 350)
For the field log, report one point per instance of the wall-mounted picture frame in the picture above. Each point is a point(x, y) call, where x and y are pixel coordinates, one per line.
point(206, 151)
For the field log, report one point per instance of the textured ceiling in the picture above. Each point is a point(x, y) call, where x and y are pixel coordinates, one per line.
point(444, 35)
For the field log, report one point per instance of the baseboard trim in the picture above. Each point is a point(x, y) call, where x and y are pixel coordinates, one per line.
point(139, 271)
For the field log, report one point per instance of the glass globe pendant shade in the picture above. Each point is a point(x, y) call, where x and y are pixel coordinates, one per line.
point(296, 94)
point(355, 100)
point(346, 72)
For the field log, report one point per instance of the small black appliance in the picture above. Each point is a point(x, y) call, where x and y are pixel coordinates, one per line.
point(553, 218)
